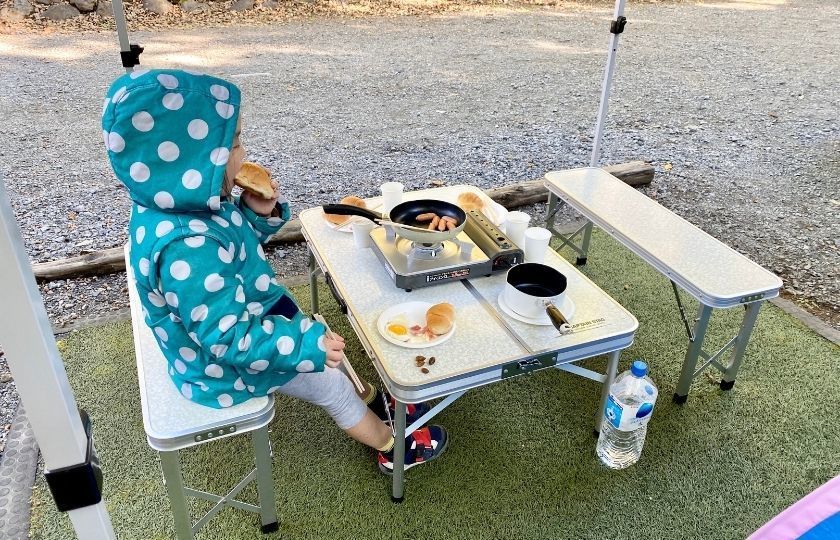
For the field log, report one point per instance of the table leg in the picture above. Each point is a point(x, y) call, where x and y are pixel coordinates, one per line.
point(398, 488)
point(313, 281)
point(695, 347)
point(609, 377)
point(747, 325)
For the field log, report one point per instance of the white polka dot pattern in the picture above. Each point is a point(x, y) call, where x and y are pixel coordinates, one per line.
point(171, 299)
point(305, 366)
point(170, 82)
point(198, 226)
point(156, 300)
point(139, 172)
point(218, 350)
point(219, 156)
point(163, 228)
point(227, 322)
point(198, 314)
point(173, 101)
point(262, 283)
point(285, 345)
point(180, 270)
point(143, 121)
point(214, 370)
point(194, 241)
point(168, 151)
point(225, 110)
point(239, 385)
point(187, 354)
point(139, 234)
point(186, 390)
point(179, 366)
point(164, 200)
point(219, 92)
point(198, 129)
point(191, 179)
point(214, 282)
point(225, 400)
point(259, 365)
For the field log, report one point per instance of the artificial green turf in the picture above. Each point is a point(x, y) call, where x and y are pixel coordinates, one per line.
point(521, 462)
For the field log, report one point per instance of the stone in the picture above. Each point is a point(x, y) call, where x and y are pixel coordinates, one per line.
point(192, 6)
point(85, 6)
point(105, 9)
point(48, 2)
point(160, 7)
point(61, 12)
point(18, 11)
point(270, 4)
point(242, 5)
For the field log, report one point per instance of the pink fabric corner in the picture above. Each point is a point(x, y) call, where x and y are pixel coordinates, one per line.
point(803, 515)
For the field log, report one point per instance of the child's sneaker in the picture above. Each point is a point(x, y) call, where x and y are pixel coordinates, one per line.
point(422, 446)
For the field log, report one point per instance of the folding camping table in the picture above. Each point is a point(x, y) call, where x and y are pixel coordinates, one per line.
point(487, 347)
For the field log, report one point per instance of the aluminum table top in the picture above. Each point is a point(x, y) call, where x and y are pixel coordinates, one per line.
point(714, 273)
point(481, 343)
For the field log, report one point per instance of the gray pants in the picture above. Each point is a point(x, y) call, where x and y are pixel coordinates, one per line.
point(331, 390)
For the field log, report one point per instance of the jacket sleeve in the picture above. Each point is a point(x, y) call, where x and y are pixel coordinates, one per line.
point(266, 226)
point(204, 290)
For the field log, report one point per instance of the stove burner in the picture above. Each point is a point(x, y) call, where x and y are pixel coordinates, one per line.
point(425, 251)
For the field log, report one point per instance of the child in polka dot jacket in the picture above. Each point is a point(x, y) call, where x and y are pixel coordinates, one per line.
point(227, 328)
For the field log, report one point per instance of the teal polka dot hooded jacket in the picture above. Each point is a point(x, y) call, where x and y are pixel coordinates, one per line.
point(200, 269)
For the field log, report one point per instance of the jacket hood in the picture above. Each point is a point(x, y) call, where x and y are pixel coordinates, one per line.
point(168, 134)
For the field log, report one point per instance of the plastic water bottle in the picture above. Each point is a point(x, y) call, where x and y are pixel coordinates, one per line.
point(628, 410)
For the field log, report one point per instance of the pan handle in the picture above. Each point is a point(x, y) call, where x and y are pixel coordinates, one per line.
point(350, 210)
point(557, 318)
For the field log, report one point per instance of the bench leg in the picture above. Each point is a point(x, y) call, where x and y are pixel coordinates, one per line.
point(695, 346)
point(747, 325)
point(584, 246)
point(265, 480)
point(171, 465)
point(313, 281)
point(609, 377)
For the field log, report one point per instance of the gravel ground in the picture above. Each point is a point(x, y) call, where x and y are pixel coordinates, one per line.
point(736, 104)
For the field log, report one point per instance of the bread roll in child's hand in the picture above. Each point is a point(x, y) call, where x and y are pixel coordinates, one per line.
point(255, 179)
point(440, 318)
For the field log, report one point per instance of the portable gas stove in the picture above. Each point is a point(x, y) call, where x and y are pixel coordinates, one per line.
point(479, 250)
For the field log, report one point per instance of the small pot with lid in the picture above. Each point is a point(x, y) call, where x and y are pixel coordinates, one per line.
point(533, 290)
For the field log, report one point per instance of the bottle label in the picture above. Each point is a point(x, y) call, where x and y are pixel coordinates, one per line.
point(627, 418)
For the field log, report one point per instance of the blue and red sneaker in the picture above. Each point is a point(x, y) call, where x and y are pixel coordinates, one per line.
point(424, 445)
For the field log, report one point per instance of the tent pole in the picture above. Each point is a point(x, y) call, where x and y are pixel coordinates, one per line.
point(122, 30)
point(615, 32)
point(30, 349)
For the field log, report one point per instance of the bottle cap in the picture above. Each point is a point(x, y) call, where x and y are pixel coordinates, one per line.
point(639, 368)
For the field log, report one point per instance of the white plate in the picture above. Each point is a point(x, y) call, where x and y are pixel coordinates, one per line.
point(415, 313)
point(567, 308)
point(347, 226)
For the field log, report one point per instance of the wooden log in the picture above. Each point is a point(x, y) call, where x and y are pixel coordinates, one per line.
point(634, 173)
point(111, 260)
point(108, 261)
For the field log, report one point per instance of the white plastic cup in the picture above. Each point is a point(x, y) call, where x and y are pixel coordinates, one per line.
point(536, 244)
point(391, 196)
point(515, 224)
point(361, 232)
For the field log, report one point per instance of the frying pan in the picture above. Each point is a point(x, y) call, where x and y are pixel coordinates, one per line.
point(406, 213)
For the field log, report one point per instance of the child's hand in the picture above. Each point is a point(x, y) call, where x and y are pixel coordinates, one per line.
point(261, 206)
point(335, 350)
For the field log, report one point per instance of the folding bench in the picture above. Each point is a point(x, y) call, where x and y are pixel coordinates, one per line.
point(173, 423)
point(715, 274)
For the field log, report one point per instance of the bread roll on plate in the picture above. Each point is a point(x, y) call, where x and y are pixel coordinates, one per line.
point(255, 179)
point(339, 219)
point(470, 201)
point(440, 318)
